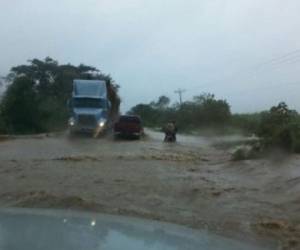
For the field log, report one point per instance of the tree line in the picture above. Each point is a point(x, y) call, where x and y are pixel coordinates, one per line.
point(35, 100)
point(203, 111)
point(277, 127)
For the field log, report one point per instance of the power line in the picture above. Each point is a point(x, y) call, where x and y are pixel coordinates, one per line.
point(266, 86)
point(292, 57)
point(287, 56)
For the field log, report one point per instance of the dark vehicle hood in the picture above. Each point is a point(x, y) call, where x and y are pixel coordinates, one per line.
point(27, 229)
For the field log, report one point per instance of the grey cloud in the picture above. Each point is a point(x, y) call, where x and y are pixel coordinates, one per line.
point(154, 47)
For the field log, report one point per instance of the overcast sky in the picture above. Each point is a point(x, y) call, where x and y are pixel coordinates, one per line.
point(246, 51)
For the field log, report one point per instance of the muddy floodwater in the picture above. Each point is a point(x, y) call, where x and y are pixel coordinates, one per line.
point(192, 183)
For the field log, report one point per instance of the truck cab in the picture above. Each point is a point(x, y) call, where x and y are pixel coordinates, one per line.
point(89, 106)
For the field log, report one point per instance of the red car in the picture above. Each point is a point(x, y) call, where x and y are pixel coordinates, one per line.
point(129, 126)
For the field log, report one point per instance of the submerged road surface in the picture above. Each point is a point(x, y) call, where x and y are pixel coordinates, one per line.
point(192, 183)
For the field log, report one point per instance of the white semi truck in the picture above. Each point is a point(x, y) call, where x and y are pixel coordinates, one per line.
point(90, 107)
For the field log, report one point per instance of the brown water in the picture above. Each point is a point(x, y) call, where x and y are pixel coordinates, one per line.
point(191, 182)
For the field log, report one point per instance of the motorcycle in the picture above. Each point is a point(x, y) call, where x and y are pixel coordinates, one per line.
point(170, 137)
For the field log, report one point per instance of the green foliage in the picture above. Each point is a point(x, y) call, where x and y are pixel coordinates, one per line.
point(203, 111)
point(280, 127)
point(240, 154)
point(212, 112)
point(163, 102)
point(20, 107)
point(149, 115)
point(247, 123)
point(36, 99)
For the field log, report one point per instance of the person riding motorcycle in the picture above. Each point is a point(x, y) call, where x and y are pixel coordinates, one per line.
point(170, 132)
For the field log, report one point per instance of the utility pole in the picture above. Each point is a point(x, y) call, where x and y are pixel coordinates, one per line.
point(179, 92)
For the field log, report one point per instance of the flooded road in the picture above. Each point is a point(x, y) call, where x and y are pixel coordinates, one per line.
point(192, 183)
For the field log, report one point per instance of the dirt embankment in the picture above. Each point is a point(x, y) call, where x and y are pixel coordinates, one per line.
point(191, 183)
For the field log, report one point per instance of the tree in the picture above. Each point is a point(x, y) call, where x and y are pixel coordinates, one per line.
point(210, 111)
point(49, 84)
point(148, 114)
point(163, 102)
point(203, 98)
point(280, 126)
point(204, 110)
point(19, 109)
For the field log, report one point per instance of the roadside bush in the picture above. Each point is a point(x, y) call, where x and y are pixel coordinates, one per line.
point(246, 123)
point(280, 127)
point(240, 154)
point(247, 152)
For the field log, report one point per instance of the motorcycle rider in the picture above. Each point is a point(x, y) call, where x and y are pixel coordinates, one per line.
point(170, 131)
